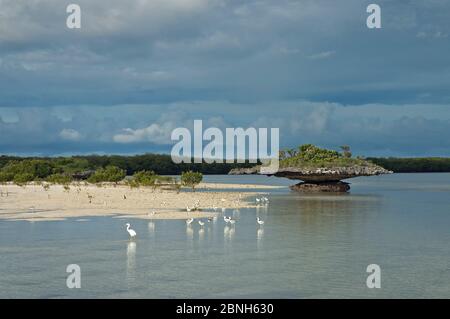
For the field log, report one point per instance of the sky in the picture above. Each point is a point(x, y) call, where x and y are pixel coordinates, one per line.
point(137, 69)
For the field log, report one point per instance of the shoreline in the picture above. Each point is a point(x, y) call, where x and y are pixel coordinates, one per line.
point(34, 203)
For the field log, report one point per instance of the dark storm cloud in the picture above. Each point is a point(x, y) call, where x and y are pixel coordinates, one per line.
point(135, 64)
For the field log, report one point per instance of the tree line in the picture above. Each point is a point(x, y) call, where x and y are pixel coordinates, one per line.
point(161, 164)
point(414, 165)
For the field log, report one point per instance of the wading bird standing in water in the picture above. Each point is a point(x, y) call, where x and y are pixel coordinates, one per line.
point(259, 221)
point(189, 221)
point(130, 231)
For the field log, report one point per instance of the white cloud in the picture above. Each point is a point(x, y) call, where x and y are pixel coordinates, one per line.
point(322, 55)
point(155, 133)
point(70, 134)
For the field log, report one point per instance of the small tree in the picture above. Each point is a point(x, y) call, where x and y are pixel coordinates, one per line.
point(108, 174)
point(191, 179)
point(346, 151)
point(145, 178)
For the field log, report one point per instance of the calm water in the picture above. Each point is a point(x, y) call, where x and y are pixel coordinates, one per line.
point(312, 246)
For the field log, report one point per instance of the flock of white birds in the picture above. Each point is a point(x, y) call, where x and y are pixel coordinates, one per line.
point(227, 219)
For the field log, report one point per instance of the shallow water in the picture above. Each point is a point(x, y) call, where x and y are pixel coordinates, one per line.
point(311, 246)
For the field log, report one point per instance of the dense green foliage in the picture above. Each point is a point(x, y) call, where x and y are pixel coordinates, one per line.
point(108, 174)
point(60, 170)
point(59, 179)
point(411, 165)
point(311, 156)
point(149, 178)
point(191, 179)
point(159, 163)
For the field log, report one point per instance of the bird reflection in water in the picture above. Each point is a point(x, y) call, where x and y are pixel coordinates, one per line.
point(189, 232)
point(201, 234)
point(228, 232)
point(151, 227)
point(131, 261)
point(259, 238)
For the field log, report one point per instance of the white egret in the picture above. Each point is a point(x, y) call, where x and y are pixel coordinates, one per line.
point(259, 221)
point(201, 223)
point(130, 231)
point(189, 221)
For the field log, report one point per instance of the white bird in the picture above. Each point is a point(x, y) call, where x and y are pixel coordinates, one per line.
point(188, 209)
point(201, 223)
point(259, 221)
point(210, 219)
point(265, 199)
point(130, 231)
point(153, 213)
point(226, 219)
point(258, 200)
point(189, 221)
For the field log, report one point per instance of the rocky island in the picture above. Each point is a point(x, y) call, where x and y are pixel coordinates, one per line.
point(320, 170)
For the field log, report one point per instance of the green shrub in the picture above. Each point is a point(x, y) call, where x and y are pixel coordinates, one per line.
point(108, 174)
point(23, 178)
point(311, 156)
point(145, 178)
point(191, 179)
point(61, 179)
point(6, 177)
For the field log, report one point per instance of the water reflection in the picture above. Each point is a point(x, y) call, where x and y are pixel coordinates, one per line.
point(262, 209)
point(201, 234)
point(259, 239)
point(131, 261)
point(260, 234)
point(151, 227)
point(306, 240)
point(189, 232)
point(323, 213)
point(228, 233)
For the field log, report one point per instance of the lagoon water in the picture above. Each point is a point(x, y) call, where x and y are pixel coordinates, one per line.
point(311, 246)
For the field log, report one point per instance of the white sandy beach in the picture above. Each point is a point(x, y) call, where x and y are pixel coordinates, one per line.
point(33, 203)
